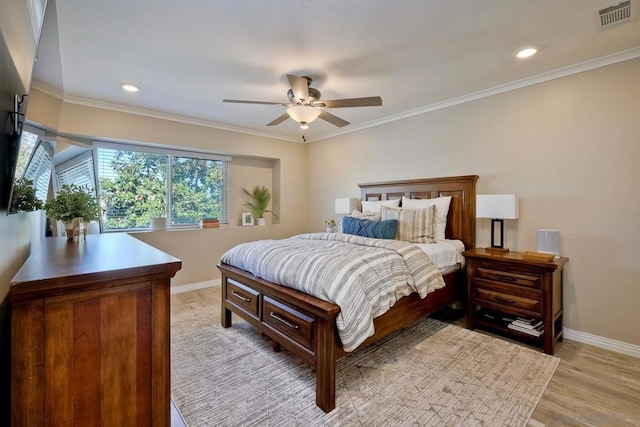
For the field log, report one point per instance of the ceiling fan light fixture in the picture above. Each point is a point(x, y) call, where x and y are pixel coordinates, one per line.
point(303, 113)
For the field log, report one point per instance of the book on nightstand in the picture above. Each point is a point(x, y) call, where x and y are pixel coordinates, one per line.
point(527, 326)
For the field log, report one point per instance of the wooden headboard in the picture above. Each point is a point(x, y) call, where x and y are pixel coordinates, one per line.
point(461, 220)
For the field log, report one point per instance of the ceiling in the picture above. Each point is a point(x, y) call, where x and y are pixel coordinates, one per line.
point(418, 55)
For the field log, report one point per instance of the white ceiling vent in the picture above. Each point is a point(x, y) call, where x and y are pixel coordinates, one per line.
point(616, 14)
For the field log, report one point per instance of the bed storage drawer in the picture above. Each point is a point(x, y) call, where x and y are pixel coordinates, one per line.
point(288, 321)
point(243, 297)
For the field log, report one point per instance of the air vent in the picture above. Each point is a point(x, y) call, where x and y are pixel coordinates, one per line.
point(614, 15)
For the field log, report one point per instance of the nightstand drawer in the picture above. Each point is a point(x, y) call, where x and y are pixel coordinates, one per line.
point(518, 279)
point(501, 300)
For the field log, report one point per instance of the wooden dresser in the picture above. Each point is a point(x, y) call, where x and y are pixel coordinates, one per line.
point(508, 286)
point(90, 334)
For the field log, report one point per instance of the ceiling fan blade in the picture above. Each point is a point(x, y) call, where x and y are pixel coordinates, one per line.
point(279, 120)
point(334, 120)
point(238, 101)
point(299, 86)
point(371, 101)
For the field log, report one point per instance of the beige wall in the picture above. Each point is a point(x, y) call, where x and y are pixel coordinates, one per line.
point(45, 108)
point(569, 148)
point(279, 165)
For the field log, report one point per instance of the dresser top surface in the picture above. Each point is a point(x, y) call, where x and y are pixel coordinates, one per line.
point(59, 262)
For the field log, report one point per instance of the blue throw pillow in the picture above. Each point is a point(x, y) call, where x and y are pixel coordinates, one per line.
point(386, 229)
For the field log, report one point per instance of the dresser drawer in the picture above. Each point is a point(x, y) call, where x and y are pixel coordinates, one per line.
point(501, 301)
point(529, 281)
point(243, 297)
point(292, 323)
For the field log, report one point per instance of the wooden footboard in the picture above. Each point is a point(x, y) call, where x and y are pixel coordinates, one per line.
point(306, 325)
point(302, 324)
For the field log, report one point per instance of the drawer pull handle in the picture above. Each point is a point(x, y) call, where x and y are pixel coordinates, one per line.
point(507, 278)
point(242, 297)
point(281, 320)
point(508, 301)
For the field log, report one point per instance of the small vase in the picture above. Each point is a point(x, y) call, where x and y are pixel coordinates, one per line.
point(77, 232)
point(262, 221)
point(329, 230)
point(68, 229)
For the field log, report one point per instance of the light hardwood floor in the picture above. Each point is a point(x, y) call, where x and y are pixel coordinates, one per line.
point(591, 387)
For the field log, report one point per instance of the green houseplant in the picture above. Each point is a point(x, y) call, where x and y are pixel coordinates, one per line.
point(73, 202)
point(259, 199)
point(23, 198)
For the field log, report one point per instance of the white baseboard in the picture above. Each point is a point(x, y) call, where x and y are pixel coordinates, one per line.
point(194, 286)
point(602, 342)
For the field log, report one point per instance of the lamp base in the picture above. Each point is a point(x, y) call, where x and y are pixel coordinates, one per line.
point(497, 250)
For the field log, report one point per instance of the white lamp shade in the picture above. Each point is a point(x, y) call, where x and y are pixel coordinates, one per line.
point(346, 206)
point(549, 241)
point(303, 113)
point(497, 206)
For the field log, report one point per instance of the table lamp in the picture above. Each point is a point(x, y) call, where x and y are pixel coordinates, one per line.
point(498, 207)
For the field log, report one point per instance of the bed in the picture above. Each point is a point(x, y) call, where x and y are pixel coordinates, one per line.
point(306, 325)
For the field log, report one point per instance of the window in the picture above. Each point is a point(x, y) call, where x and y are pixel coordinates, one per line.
point(139, 183)
point(77, 171)
point(34, 163)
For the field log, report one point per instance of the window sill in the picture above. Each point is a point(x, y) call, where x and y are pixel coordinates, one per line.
point(196, 228)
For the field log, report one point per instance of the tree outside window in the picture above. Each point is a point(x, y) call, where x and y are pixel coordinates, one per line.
point(136, 186)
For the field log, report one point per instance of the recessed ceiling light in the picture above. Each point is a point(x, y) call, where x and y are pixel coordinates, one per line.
point(129, 87)
point(527, 52)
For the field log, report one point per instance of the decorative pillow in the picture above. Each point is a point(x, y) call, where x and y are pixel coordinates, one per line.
point(367, 228)
point(357, 214)
point(414, 225)
point(442, 210)
point(374, 206)
point(368, 215)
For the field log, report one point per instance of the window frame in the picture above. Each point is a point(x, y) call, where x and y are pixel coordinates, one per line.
point(170, 152)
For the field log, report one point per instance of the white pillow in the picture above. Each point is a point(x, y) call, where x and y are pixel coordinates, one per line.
point(442, 210)
point(414, 225)
point(375, 206)
point(368, 215)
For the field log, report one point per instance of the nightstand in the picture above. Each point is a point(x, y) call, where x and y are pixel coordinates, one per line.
point(503, 287)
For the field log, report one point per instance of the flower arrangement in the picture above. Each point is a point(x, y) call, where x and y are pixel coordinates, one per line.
point(330, 222)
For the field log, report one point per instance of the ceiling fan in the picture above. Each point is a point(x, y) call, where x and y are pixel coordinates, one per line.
point(305, 105)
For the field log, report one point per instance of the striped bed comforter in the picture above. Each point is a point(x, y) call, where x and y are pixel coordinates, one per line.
point(363, 276)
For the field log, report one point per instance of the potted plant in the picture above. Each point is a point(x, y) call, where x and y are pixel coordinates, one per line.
point(23, 198)
point(259, 200)
point(73, 202)
point(159, 220)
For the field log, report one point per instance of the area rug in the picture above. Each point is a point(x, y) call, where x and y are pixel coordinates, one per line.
point(430, 374)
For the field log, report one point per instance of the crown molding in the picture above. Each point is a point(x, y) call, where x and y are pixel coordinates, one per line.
point(518, 84)
point(47, 90)
point(171, 117)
